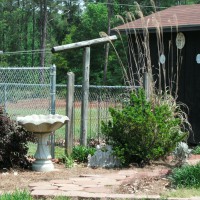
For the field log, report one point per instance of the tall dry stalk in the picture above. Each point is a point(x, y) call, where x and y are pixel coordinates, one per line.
point(164, 80)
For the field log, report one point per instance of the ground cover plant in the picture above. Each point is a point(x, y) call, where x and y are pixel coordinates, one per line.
point(196, 150)
point(80, 153)
point(187, 176)
point(17, 195)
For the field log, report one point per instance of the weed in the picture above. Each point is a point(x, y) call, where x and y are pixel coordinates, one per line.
point(17, 195)
point(80, 153)
point(187, 176)
point(196, 150)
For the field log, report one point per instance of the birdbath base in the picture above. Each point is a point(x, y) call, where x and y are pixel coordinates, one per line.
point(43, 166)
point(43, 161)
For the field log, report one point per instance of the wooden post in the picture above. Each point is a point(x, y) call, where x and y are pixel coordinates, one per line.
point(85, 94)
point(86, 71)
point(69, 113)
point(146, 85)
point(53, 105)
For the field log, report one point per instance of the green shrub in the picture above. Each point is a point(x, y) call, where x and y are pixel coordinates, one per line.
point(186, 176)
point(13, 143)
point(80, 153)
point(143, 131)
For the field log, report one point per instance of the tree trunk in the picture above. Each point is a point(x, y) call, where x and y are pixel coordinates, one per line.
point(107, 45)
point(33, 35)
point(43, 11)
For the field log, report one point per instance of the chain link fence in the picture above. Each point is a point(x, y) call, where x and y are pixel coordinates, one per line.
point(25, 90)
point(101, 98)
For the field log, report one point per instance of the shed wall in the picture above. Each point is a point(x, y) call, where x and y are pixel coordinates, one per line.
point(189, 79)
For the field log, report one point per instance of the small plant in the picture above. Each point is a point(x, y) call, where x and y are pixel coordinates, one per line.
point(13, 143)
point(80, 153)
point(143, 130)
point(181, 153)
point(17, 195)
point(196, 150)
point(69, 161)
point(187, 176)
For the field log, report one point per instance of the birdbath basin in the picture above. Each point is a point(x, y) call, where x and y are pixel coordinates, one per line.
point(42, 126)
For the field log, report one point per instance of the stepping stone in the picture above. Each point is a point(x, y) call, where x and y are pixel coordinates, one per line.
point(98, 190)
point(70, 188)
point(45, 187)
point(80, 179)
point(91, 186)
point(107, 181)
point(59, 181)
point(44, 192)
point(82, 194)
point(39, 184)
point(85, 182)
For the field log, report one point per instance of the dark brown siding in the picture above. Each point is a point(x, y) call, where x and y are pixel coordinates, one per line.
point(189, 82)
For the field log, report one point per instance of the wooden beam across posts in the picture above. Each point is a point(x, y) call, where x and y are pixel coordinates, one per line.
point(83, 43)
point(86, 75)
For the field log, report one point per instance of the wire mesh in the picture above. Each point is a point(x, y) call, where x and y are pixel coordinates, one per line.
point(101, 98)
point(25, 90)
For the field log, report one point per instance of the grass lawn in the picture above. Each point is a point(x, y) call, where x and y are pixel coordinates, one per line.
point(95, 116)
point(32, 147)
point(182, 193)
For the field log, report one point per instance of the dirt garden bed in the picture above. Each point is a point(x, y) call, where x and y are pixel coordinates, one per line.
point(145, 181)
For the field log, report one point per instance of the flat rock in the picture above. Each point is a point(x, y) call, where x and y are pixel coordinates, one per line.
point(36, 184)
point(70, 188)
point(45, 187)
point(58, 181)
point(98, 190)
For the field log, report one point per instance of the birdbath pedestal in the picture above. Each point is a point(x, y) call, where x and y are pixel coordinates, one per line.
point(42, 126)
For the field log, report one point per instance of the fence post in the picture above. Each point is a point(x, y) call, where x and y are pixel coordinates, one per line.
point(5, 97)
point(85, 94)
point(146, 85)
point(53, 104)
point(69, 113)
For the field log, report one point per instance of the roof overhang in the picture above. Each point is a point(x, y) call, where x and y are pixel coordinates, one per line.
point(183, 28)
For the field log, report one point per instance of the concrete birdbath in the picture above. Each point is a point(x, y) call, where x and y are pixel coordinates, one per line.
point(42, 126)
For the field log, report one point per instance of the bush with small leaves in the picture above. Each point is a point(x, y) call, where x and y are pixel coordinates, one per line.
point(13, 142)
point(143, 130)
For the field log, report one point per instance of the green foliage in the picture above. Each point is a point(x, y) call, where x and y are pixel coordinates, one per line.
point(143, 131)
point(196, 150)
point(69, 161)
point(187, 176)
point(17, 195)
point(13, 143)
point(80, 153)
